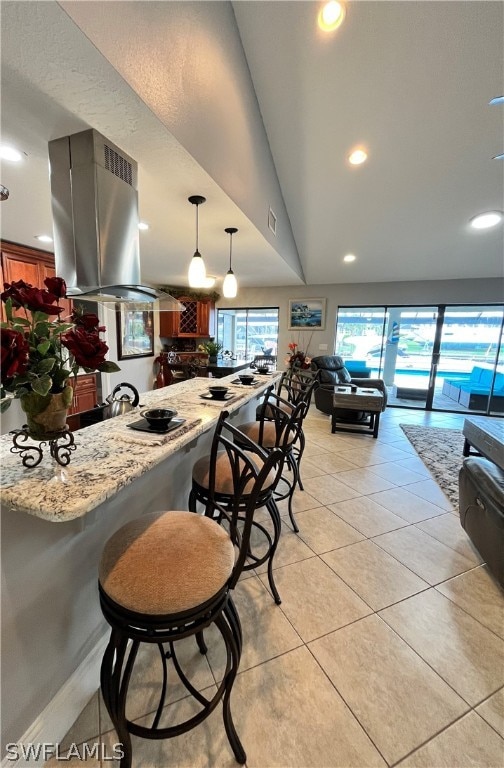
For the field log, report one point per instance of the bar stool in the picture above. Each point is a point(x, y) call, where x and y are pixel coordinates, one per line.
point(298, 384)
point(278, 426)
point(218, 472)
point(167, 576)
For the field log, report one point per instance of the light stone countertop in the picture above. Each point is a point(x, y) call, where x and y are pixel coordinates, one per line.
point(110, 456)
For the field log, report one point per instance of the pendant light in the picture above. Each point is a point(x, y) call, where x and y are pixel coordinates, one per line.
point(197, 270)
point(230, 286)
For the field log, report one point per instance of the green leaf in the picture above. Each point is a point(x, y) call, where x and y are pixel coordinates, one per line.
point(108, 367)
point(8, 310)
point(42, 328)
point(62, 328)
point(20, 321)
point(4, 404)
point(42, 385)
point(20, 391)
point(45, 365)
point(43, 347)
point(40, 317)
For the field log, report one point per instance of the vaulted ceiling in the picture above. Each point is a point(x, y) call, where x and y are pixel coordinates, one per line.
point(408, 81)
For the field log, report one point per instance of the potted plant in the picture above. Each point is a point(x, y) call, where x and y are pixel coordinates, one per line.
point(40, 352)
point(212, 348)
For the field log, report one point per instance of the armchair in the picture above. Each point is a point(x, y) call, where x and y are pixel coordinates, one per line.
point(332, 372)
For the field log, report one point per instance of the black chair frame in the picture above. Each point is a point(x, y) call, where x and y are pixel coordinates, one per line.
point(129, 627)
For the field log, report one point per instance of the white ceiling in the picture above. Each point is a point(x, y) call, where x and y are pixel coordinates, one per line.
point(409, 80)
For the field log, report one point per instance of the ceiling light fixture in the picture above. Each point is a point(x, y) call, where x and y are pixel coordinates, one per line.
point(486, 220)
point(44, 238)
point(357, 157)
point(197, 269)
point(498, 157)
point(497, 100)
point(349, 257)
point(331, 16)
point(9, 153)
point(230, 286)
point(4, 193)
point(143, 225)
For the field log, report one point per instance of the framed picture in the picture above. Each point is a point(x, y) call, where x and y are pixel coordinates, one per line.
point(135, 333)
point(307, 314)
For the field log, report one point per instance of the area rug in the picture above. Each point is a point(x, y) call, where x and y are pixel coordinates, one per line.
point(441, 452)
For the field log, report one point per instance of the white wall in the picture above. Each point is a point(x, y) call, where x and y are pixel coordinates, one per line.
point(361, 294)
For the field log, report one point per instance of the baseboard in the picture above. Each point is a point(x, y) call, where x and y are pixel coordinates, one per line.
point(59, 715)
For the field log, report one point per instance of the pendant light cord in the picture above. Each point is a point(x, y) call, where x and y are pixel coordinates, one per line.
point(230, 249)
point(197, 229)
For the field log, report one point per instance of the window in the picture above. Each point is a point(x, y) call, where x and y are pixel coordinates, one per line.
point(248, 332)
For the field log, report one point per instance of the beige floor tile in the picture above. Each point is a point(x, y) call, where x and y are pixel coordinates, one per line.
point(478, 594)
point(403, 445)
point(492, 710)
point(266, 631)
point(86, 727)
point(363, 457)
point(300, 501)
point(376, 576)
point(291, 548)
point(398, 699)
point(407, 505)
point(416, 465)
point(468, 743)
point(322, 530)
point(288, 715)
point(430, 490)
point(447, 529)
point(428, 558)
point(367, 516)
point(328, 490)
point(364, 481)
point(328, 464)
point(315, 599)
point(463, 652)
point(144, 688)
point(395, 473)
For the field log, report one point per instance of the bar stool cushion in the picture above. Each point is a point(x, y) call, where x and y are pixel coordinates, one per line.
point(166, 563)
point(224, 475)
point(269, 435)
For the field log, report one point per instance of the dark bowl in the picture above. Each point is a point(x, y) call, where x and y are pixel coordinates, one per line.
point(218, 392)
point(246, 378)
point(263, 369)
point(159, 418)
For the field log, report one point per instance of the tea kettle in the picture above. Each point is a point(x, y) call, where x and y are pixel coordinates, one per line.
point(124, 403)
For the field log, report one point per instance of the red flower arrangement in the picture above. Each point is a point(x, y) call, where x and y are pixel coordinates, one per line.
point(40, 354)
point(298, 358)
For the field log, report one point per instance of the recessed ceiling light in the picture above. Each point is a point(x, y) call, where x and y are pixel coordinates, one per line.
point(357, 157)
point(331, 16)
point(9, 153)
point(143, 225)
point(497, 100)
point(349, 257)
point(44, 238)
point(486, 220)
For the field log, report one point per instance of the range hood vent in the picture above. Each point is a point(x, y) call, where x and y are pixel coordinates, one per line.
point(94, 196)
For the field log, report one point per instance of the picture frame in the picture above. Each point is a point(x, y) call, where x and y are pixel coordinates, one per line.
point(135, 333)
point(307, 314)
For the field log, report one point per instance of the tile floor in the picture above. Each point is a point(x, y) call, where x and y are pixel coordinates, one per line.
point(388, 647)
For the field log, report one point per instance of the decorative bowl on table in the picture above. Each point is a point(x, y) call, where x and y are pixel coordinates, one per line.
point(246, 378)
point(263, 369)
point(218, 392)
point(159, 418)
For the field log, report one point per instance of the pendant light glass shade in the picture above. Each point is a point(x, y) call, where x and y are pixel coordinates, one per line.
point(230, 286)
point(197, 270)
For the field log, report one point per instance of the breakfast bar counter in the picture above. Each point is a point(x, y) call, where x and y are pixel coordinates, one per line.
point(110, 455)
point(53, 631)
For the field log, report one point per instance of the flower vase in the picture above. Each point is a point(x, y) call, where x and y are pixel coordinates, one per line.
point(46, 415)
point(212, 359)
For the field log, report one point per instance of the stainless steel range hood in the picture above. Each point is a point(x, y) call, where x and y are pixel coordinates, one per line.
point(95, 216)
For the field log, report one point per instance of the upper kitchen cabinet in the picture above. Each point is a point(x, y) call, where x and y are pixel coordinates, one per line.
point(19, 262)
point(197, 321)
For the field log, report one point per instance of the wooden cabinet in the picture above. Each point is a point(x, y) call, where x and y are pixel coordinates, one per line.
point(85, 393)
point(31, 265)
point(196, 322)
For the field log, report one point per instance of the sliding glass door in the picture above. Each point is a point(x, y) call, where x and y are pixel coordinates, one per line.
point(435, 357)
point(248, 332)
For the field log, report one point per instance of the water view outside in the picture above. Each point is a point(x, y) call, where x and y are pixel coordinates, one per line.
point(415, 349)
